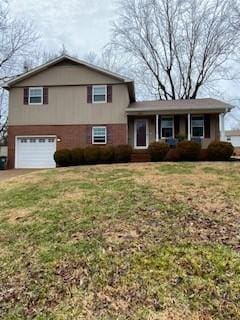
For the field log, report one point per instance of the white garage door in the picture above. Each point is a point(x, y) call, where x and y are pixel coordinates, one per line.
point(35, 152)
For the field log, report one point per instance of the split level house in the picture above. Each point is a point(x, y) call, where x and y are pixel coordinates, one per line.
point(68, 103)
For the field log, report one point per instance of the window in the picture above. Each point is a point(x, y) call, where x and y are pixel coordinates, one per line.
point(99, 94)
point(51, 140)
point(35, 95)
point(167, 127)
point(99, 135)
point(42, 140)
point(197, 126)
point(32, 140)
point(23, 140)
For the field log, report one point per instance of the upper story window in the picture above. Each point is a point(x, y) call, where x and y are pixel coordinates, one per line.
point(167, 127)
point(197, 126)
point(99, 94)
point(35, 95)
point(99, 135)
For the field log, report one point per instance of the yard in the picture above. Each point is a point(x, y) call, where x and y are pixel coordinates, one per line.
point(139, 241)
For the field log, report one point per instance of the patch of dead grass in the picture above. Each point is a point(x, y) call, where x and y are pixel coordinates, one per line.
point(24, 179)
point(74, 195)
point(119, 233)
point(179, 314)
point(18, 215)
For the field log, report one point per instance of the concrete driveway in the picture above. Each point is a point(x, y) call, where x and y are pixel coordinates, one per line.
point(7, 174)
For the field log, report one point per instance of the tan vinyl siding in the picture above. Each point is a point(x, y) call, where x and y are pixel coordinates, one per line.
point(67, 75)
point(68, 105)
point(67, 98)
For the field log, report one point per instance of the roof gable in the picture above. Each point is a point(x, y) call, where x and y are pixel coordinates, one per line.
point(60, 60)
point(67, 60)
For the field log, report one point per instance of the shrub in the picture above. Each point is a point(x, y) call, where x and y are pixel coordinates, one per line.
point(203, 156)
point(92, 154)
point(77, 156)
point(107, 154)
point(188, 150)
point(158, 151)
point(220, 151)
point(172, 155)
point(63, 157)
point(123, 153)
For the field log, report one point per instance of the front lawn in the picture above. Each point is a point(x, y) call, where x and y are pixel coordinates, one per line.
point(139, 241)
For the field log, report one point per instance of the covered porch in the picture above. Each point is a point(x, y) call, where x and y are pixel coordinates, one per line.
point(201, 124)
point(171, 129)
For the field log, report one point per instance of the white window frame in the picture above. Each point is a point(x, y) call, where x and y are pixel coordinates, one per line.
point(172, 127)
point(99, 127)
point(198, 115)
point(99, 86)
point(29, 96)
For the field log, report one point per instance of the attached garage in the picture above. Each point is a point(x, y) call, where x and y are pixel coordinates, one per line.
point(35, 152)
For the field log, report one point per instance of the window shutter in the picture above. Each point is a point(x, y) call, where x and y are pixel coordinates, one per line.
point(207, 127)
point(89, 94)
point(186, 126)
point(89, 135)
point(45, 95)
point(25, 95)
point(109, 135)
point(109, 94)
point(176, 125)
point(159, 127)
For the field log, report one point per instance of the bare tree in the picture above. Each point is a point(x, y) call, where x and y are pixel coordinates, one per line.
point(17, 41)
point(179, 45)
point(109, 59)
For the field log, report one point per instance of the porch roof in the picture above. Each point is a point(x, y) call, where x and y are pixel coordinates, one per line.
point(206, 105)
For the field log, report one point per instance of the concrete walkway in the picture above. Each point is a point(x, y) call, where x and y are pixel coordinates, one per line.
point(7, 174)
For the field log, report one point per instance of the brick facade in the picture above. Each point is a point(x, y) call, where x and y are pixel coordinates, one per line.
point(72, 136)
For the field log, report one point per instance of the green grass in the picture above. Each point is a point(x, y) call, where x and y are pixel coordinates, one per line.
point(176, 168)
point(157, 241)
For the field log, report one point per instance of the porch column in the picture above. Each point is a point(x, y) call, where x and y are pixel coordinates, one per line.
point(222, 126)
point(157, 127)
point(189, 126)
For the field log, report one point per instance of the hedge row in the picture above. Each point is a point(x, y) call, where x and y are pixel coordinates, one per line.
point(191, 151)
point(159, 151)
point(93, 155)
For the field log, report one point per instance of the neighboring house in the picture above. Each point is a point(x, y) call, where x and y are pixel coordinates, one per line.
point(68, 103)
point(233, 136)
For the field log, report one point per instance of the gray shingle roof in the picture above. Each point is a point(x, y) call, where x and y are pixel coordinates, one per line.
point(175, 105)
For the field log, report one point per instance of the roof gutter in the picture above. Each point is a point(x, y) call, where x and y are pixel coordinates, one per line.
point(176, 110)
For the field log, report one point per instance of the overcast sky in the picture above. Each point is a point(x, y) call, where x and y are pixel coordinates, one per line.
point(82, 25)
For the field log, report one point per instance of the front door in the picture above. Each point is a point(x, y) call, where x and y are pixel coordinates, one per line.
point(141, 133)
